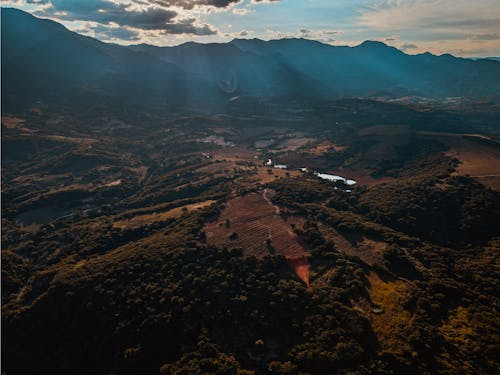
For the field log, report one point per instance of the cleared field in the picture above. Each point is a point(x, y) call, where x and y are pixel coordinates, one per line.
point(15, 123)
point(363, 176)
point(292, 144)
point(389, 319)
point(142, 220)
point(11, 122)
point(324, 147)
point(235, 154)
point(479, 155)
point(264, 177)
point(245, 160)
point(252, 223)
point(478, 160)
point(367, 249)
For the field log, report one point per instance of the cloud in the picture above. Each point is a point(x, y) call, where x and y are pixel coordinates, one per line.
point(264, 1)
point(486, 37)
point(407, 46)
point(191, 4)
point(459, 27)
point(188, 26)
point(158, 17)
point(433, 14)
point(331, 32)
point(109, 33)
point(107, 12)
point(240, 11)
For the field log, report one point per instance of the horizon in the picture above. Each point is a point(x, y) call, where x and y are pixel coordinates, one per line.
point(470, 31)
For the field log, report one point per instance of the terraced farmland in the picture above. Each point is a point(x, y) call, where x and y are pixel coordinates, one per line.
point(253, 223)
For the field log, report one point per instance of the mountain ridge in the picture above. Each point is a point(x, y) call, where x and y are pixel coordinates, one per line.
point(67, 67)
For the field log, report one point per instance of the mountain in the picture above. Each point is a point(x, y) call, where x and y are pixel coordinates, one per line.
point(43, 61)
point(486, 58)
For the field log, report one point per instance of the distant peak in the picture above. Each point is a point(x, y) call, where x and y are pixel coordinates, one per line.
point(246, 40)
point(373, 43)
point(284, 40)
point(190, 43)
point(7, 11)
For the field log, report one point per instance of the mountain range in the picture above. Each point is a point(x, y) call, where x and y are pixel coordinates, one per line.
point(44, 61)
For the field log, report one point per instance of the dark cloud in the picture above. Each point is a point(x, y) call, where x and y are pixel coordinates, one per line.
point(106, 12)
point(153, 15)
point(109, 33)
point(187, 27)
point(190, 4)
point(244, 33)
point(390, 39)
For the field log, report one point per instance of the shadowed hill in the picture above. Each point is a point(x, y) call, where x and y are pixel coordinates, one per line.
point(42, 60)
point(371, 68)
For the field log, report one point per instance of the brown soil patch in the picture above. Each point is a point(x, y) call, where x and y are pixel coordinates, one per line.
point(324, 147)
point(264, 177)
point(479, 161)
point(293, 144)
point(235, 154)
point(479, 155)
point(79, 141)
point(114, 183)
point(11, 122)
point(365, 248)
point(16, 123)
point(253, 223)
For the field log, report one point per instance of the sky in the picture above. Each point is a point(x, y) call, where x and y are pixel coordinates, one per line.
point(468, 28)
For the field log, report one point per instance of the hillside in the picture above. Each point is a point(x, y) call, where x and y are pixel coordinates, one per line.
point(138, 243)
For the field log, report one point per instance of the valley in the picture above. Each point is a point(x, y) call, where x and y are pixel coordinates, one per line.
point(253, 206)
point(346, 211)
